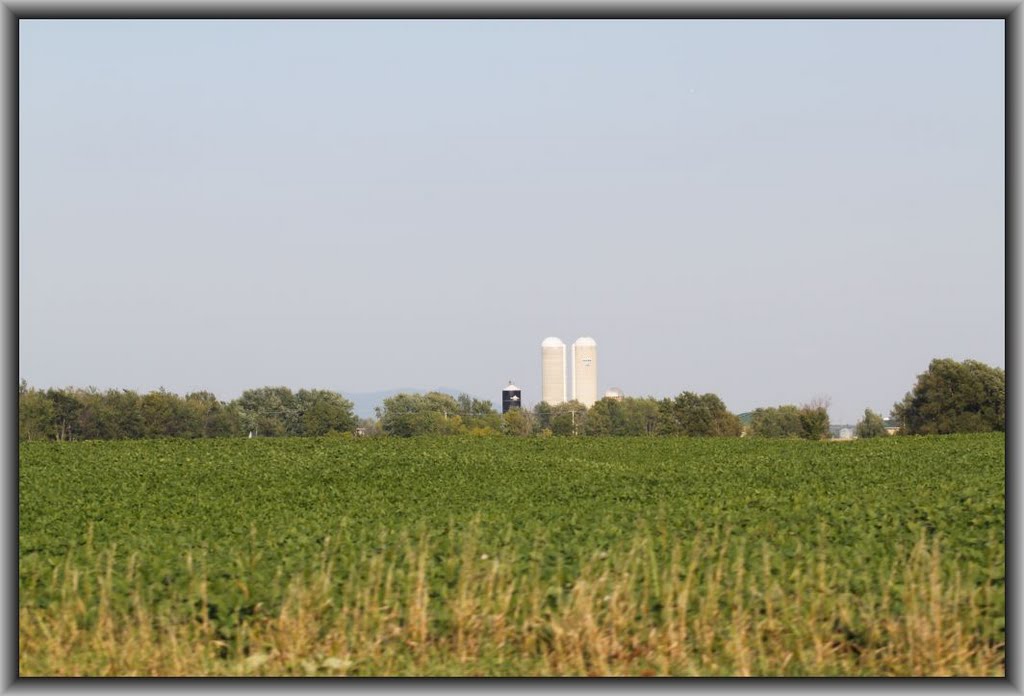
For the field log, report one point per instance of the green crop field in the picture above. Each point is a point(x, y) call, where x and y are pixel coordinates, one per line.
point(514, 556)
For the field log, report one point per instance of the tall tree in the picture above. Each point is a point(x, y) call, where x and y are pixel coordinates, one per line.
point(478, 414)
point(667, 422)
point(606, 417)
point(214, 417)
point(809, 421)
point(324, 411)
point(516, 422)
point(407, 415)
point(872, 425)
point(569, 418)
point(640, 415)
point(65, 412)
point(95, 420)
point(269, 411)
point(35, 415)
point(166, 415)
point(954, 397)
point(783, 421)
point(542, 415)
point(704, 415)
point(125, 409)
point(814, 421)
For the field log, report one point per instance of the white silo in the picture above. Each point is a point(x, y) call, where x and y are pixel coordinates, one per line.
point(584, 371)
point(552, 371)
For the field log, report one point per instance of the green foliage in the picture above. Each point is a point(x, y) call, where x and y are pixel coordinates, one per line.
point(65, 413)
point(87, 414)
point(606, 417)
point(517, 423)
point(640, 416)
point(269, 411)
point(569, 418)
point(35, 415)
point(166, 415)
point(242, 514)
point(125, 409)
point(321, 411)
point(666, 422)
point(692, 415)
point(952, 397)
point(625, 416)
point(814, 422)
point(542, 413)
point(809, 422)
point(75, 414)
point(872, 425)
point(783, 421)
point(434, 413)
point(478, 414)
point(688, 414)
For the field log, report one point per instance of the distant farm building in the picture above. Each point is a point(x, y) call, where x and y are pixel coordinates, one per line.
point(511, 397)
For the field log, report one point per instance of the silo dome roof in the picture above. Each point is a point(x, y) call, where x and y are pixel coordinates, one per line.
point(511, 387)
point(552, 342)
point(585, 341)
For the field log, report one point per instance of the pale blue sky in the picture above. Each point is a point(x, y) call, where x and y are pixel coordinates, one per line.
point(768, 210)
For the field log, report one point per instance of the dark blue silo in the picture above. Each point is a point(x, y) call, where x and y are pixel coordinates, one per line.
point(511, 397)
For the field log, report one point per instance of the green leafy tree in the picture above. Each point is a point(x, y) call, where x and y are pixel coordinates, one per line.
point(407, 415)
point(726, 424)
point(542, 414)
point(125, 409)
point(478, 414)
point(814, 420)
point(65, 412)
point(35, 415)
point(667, 423)
point(96, 420)
point(704, 415)
point(954, 397)
point(569, 418)
point(605, 417)
point(214, 418)
point(872, 425)
point(810, 422)
point(269, 411)
point(783, 421)
point(516, 422)
point(322, 411)
point(166, 415)
point(640, 415)
point(694, 415)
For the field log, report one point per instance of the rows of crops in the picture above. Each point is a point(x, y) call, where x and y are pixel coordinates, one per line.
point(218, 543)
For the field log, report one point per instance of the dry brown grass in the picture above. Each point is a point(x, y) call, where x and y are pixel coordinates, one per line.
point(710, 607)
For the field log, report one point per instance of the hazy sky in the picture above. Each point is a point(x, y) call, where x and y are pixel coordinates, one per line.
point(767, 210)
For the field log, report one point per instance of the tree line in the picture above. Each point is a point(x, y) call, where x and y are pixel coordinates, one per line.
point(123, 414)
point(434, 413)
point(949, 397)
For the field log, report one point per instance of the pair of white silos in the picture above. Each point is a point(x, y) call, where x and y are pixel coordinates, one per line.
point(584, 371)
